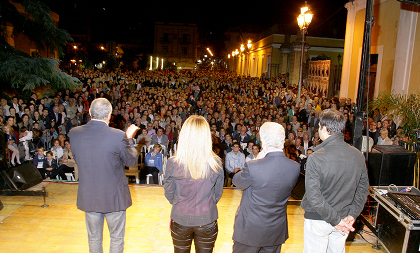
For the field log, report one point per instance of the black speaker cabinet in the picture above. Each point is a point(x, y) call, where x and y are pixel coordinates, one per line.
point(20, 177)
point(391, 164)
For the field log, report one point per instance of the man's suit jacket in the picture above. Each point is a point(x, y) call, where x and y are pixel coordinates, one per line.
point(164, 140)
point(246, 138)
point(101, 152)
point(60, 118)
point(261, 218)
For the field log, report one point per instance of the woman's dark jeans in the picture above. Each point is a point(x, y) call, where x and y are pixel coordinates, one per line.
point(204, 237)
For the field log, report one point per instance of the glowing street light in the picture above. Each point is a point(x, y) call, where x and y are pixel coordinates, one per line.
point(208, 49)
point(249, 45)
point(304, 19)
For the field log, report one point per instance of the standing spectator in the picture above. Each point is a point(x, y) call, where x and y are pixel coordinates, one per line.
point(71, 110)
point(101, 153)
point(5, 107)
point(374, 132)
point(11, 144)
point(194, 185)
point(261, 219)
point(337, 186)
point(384, 139)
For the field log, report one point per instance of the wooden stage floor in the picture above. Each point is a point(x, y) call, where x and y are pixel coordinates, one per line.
point(27, 227)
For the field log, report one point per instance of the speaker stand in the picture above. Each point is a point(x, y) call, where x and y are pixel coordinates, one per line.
point(45, 198)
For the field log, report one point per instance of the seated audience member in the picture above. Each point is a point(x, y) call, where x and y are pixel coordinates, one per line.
point(234, 159)
point(161, 139)
point(68, 164)
point(227, 143)
point(150, 130)
point(242, 136)
point(248, 149)
point(144, 138)
point(50, 165)
point(39, 158)
point(253, 155)
point(153, 163)
point(11, 144)
point(57, 150)
point(383, 139)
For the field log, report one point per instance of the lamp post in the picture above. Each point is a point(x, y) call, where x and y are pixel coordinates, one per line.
point(248, 45)
point(304, 19)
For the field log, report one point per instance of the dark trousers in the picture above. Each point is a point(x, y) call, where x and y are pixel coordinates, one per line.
point(242, 248)
point(151, 170)
point(204, 237)
point(62, 170)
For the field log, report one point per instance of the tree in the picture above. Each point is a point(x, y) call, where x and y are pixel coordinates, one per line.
point(21, 71)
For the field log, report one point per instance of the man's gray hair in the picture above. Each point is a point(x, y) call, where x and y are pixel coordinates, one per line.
point(100, 109)
point(272, 135)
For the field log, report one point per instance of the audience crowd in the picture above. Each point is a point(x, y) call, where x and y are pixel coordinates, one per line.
point(159, 102)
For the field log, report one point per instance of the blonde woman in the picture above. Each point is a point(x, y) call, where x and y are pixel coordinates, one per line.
point(194, 185)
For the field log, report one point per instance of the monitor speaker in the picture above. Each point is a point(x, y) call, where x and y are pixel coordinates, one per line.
point(415, 2)
point(20, 177)
point(391, 164)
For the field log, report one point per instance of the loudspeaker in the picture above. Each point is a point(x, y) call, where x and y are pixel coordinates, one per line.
point(391, 164)
point(20, 177)
point(299, 190)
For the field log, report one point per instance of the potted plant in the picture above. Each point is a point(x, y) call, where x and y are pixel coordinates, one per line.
point(403, 110)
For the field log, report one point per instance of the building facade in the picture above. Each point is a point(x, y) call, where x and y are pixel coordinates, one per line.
point(394, 49)
point(23, 43)
point(275, 54)
point(176, 44)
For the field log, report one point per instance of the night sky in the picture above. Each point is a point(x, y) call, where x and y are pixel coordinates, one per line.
point(124, 20)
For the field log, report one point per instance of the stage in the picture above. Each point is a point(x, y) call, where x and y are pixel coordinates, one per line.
point(25, 226)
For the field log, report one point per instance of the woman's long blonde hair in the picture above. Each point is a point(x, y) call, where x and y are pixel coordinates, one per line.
point(195, 148)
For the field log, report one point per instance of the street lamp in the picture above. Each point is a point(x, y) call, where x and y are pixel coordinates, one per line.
point(304, 19)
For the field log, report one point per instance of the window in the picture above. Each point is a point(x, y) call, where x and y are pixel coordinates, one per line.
point(185, 38)
point(166, 37)
point(184, 50)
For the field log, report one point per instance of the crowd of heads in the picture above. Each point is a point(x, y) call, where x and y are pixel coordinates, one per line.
point(159, 102)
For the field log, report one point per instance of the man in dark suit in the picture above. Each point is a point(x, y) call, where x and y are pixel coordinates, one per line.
point(57, 116)
point(267, 182)
point(101, 153)
point(242, 136)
